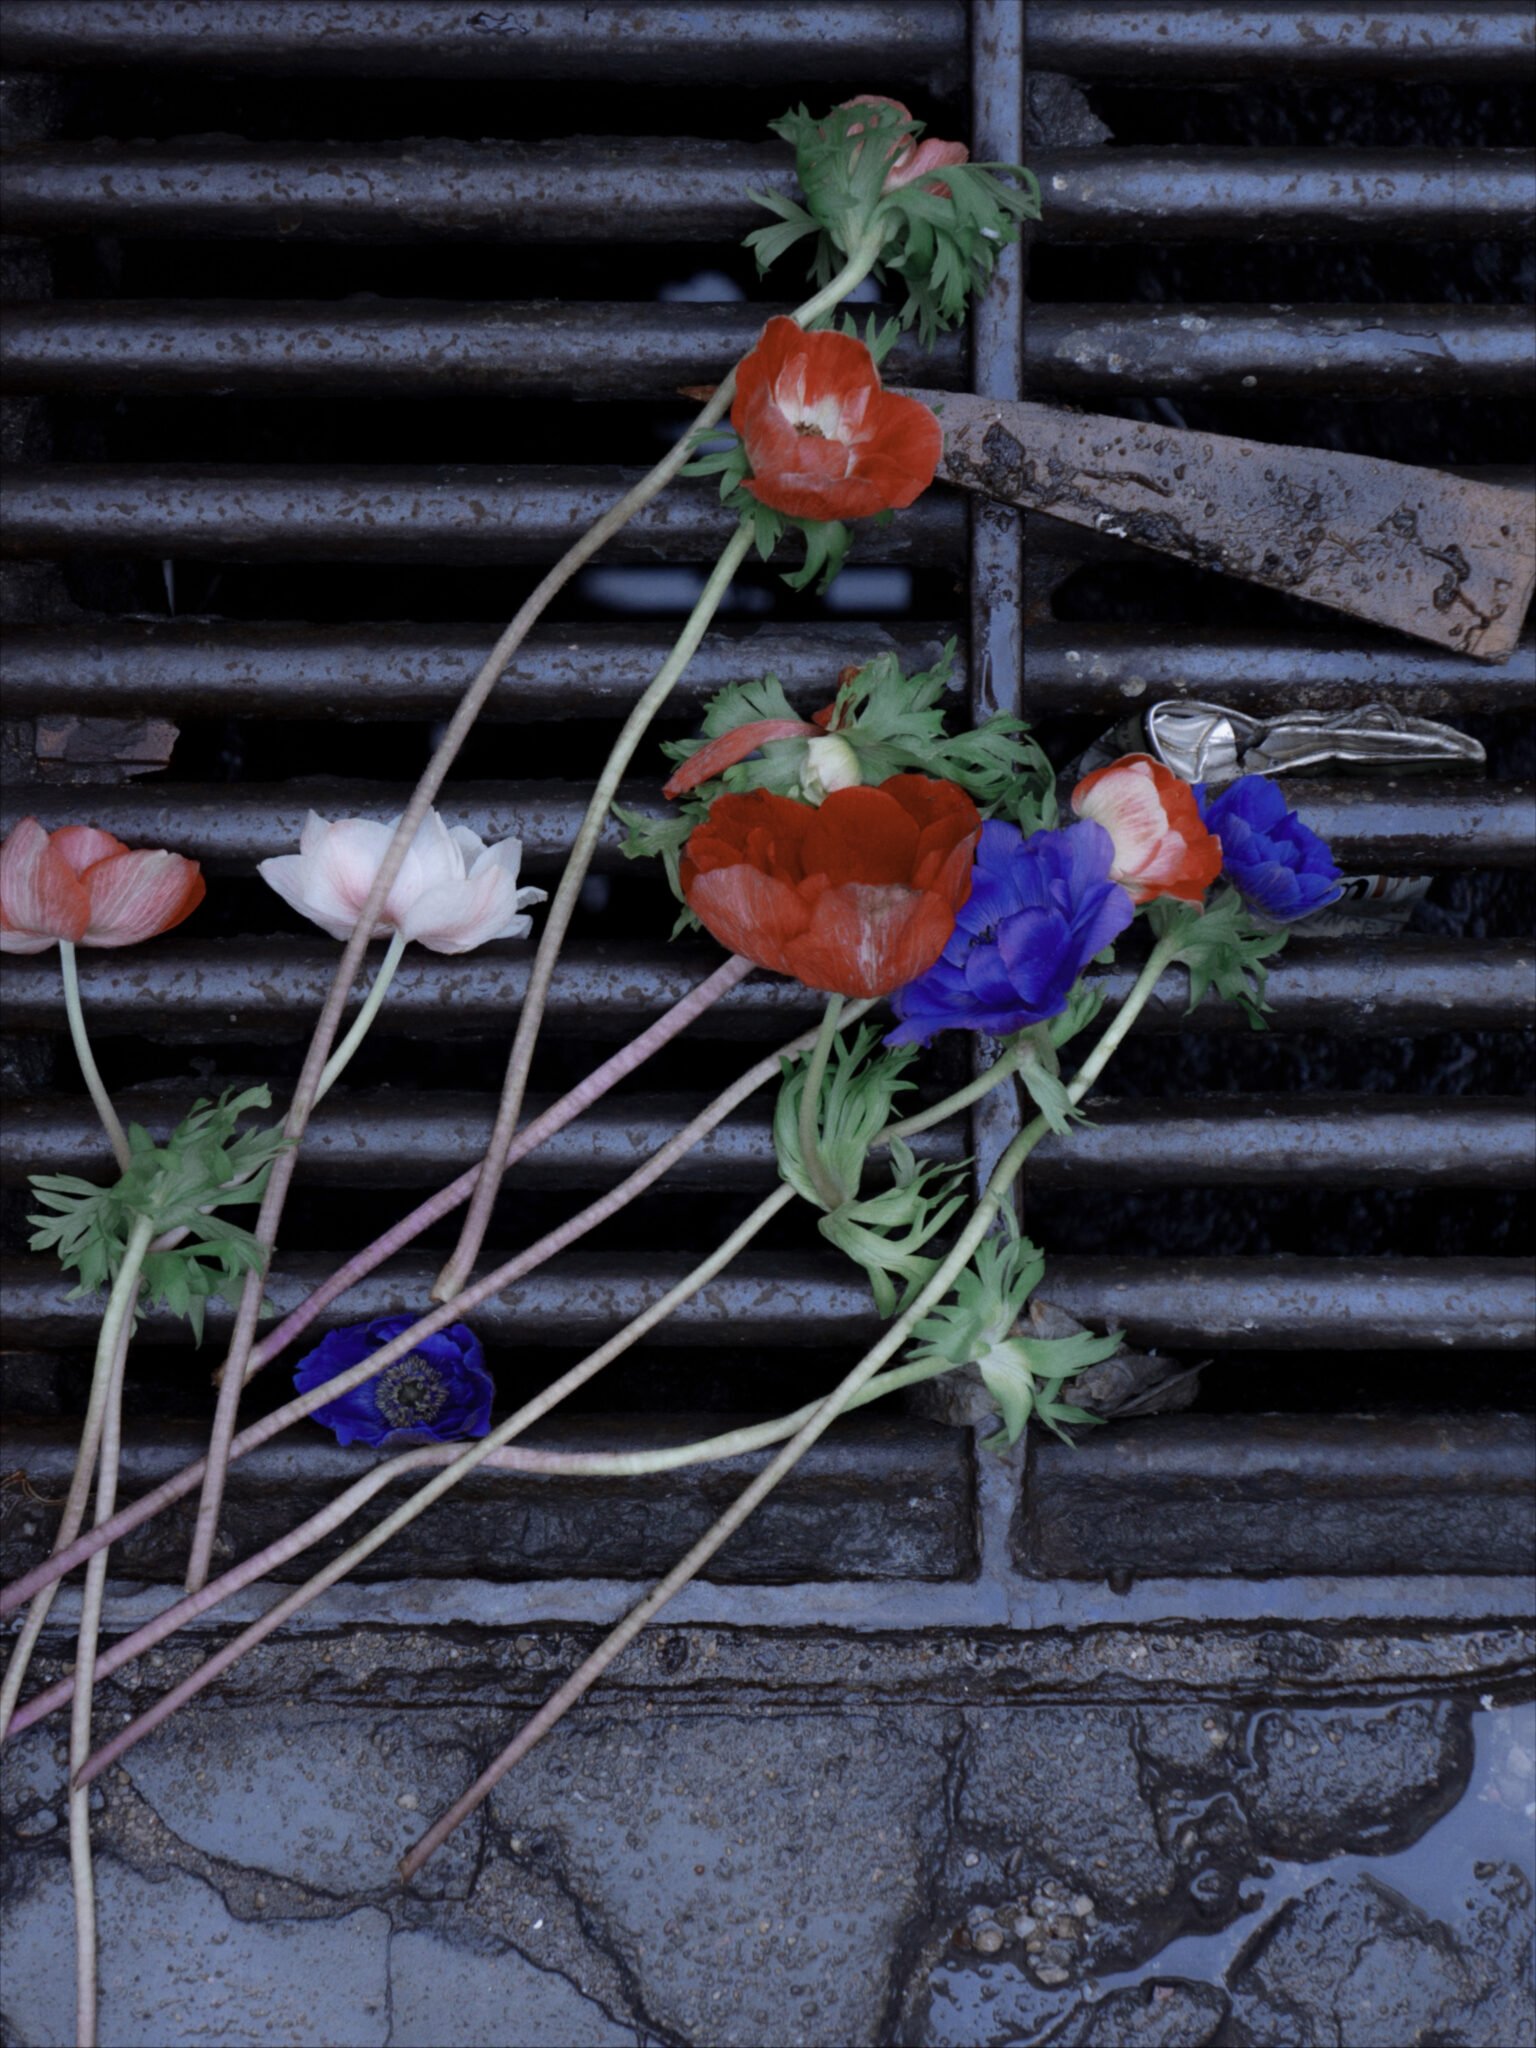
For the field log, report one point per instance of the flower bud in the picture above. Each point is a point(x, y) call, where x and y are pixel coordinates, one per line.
point(830, 764)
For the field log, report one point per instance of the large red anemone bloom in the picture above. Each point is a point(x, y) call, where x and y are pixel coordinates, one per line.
point(856, 896)
point(825, 441)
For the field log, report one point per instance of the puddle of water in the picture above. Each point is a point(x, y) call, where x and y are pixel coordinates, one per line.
point(1494, 1822)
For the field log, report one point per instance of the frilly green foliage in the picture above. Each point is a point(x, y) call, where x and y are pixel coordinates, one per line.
point(1223, 947)
point(202, 1167)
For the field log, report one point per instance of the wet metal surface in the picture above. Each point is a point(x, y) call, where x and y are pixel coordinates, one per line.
point(1429, 554)
point(270, 989)
point(1215, 1304)
point(685, 41)
point(462, 513)
point(1234, 1141)
point(1399, 826)
point(693, 190)
point(404, 669)
point(1354, 352)
point(533, 348)
point(1334, 1494)
point(1321, 40)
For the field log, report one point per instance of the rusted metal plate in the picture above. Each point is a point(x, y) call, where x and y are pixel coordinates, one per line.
point(1433, 555)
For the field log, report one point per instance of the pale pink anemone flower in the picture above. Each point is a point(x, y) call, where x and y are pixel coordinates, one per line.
point(913, 160)
point(84, 887)
point(453, 892)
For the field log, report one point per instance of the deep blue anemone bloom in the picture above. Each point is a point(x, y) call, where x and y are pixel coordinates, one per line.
point(436, 1394)
point(1277, 864)
point(1038, 911)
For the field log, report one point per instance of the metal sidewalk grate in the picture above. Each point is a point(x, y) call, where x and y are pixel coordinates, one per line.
point(206, 416)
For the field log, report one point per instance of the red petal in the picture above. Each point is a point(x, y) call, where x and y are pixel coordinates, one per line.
point(749, 913)
point(756, 825)
point(867, 941)
point(135, 895)
point(716, 755)
point(861, 835)
point(39, 895)
point(83, 845)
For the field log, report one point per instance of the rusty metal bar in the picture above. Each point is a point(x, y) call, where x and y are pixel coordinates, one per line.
point(691, 190)
point(264, 988)
point(682, 42)
point(1396, 827)
point(1115, 669)
point(882, 1497)
point(1226, 1141)
point(1322, 40)
point(1256, 1304)
point(1314, 1494)
point(461, 513)
point(589, 350)
point(191, 667)
point(536, 348)
point(194, 668)
point(1325, 195)
point(1355, 352)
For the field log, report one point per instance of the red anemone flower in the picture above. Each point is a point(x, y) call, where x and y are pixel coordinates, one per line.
point(825, 441)
point(856, 897)
point(85, 887)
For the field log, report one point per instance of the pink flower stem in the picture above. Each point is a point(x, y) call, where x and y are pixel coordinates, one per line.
point(302, 1405)
point(529, 1139)
point(329, 1021)
point(938, 1284)
point(861, 262)
point(466, 1461)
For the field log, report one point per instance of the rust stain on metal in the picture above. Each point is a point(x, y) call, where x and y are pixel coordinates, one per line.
point(1442, 557)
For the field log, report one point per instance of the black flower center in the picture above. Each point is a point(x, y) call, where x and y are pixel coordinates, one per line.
point(411, 1392)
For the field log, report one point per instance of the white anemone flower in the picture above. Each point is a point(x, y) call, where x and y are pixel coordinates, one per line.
point(453, 892)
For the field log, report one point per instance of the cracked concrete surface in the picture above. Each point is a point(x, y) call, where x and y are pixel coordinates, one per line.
point(694, 1869)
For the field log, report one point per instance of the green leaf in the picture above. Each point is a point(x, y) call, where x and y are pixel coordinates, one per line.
point(1223, 948)
point(1049, 1096)
point(659, 839)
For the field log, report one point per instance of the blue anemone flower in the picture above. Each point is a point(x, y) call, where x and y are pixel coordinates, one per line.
point(438, 1393)
point(1277, 864)
point(1038, 911)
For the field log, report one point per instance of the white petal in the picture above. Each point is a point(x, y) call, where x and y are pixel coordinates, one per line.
point(506, 854)
point(294, 878)
point(313, 836)
point(457, 920)
point(436, 856)
point(471, 846)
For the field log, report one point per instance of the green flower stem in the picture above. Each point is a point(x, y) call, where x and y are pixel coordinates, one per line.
point(830, 1190)
point(87, 1059)
point(617, 516)
point(455, 1274)
point(111, 1357)
point(336, 1065)
point(999, 1182)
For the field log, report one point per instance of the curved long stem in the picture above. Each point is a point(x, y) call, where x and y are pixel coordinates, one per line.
point(473, 1455)
point(456, 1272)
point(111, 1358)
point(490, 1448)
point(982, 1217)
point(829, 1188)
point(558, 917)
point(328, 1023)
point(92, 1077)
point(336, 1065)
point(544, 1248)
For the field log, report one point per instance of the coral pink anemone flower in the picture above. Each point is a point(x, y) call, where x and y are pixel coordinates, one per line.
point(825, 441)
point(913, 160)
point(1162, 846)
point(84, 887)
point(855, 897)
